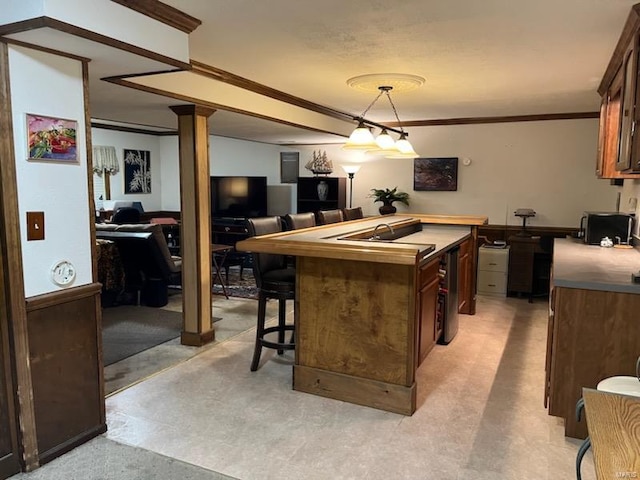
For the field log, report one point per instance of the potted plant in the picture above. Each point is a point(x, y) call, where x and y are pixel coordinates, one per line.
point(387, 197)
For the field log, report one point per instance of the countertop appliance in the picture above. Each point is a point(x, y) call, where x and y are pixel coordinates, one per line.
point(594, 226)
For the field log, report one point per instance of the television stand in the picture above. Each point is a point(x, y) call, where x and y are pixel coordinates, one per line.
point(229, 231)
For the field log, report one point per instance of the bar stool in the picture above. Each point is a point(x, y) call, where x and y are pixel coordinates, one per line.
point(300, 220)
point(625, 385)
point(326, 217)
point(352, 213)
point(274, 280)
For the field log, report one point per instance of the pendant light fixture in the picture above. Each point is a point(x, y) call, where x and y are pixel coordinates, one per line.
point(362, 138)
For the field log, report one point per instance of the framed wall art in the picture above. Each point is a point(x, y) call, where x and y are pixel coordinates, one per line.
point(435, 174)
point(137, 171)
point(289, 167)
point(51, 139)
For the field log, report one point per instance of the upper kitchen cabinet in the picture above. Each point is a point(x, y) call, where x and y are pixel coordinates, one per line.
point(618, 142)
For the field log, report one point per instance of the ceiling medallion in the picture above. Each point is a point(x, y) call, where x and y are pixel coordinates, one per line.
point(400, 82)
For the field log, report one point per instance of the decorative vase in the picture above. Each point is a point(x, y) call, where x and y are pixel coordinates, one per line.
point(323, 190)
point(387, 209)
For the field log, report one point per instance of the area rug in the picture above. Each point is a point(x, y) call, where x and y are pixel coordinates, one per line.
point(244, 287)
point(130, 329)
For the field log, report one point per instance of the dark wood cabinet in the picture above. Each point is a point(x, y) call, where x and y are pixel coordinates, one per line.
point(430, 328)
point(587, 341)
point(229, 231)
point(529, 265)
point(618, 142)
point(311, 200)
point(464, 273)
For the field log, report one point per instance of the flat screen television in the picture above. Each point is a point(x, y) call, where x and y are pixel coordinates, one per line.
point(238, 197)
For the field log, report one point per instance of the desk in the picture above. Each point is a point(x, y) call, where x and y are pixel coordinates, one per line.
point(219, 251)
point(529, 265)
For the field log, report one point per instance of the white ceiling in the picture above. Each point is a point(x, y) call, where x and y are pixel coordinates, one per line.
point(479, 58)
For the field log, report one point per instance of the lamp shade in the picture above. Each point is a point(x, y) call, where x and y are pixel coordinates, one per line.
point(405, 149)
point(351, 169)
point(385, 141)
point(360, 139)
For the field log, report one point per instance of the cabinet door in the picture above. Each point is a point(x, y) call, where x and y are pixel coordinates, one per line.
point(427, 305)
point(602, 136)
point(464, 274)
point(627, 110)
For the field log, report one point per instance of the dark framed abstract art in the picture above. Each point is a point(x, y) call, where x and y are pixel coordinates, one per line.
point(435, 174)
point(137, 171)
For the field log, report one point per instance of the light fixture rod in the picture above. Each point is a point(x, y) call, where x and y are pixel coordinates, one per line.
point(379, 125)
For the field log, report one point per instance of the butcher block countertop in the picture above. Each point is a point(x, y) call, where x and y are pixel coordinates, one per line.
point(327, 241)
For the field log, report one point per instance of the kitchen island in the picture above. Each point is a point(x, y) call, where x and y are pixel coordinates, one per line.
point(593, 330)
point(367, 310)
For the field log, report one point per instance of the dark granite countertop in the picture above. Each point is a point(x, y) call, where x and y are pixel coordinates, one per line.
point(591, 267)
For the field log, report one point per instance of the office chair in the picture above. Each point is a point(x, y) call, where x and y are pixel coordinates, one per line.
point(126, 215)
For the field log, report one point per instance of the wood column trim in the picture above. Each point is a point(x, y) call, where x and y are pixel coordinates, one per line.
point(10, 244)
point(89, 149)
point(195, 226)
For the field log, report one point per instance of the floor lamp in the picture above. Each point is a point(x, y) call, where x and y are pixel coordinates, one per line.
point(351, 171)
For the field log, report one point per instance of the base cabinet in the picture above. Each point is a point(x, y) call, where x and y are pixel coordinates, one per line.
point(428, 309)
point(592, 335)
point(464, 273)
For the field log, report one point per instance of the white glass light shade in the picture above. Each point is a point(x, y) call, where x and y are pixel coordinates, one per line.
point(351, 168)
point(405, 149)
point(360, 139)
point(385, 141)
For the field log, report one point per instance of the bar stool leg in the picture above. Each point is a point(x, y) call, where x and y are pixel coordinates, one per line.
point(282, 320)
point(581, 452)
point(262, 311)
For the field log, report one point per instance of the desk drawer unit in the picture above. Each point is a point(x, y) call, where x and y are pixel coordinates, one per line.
point(493, 267)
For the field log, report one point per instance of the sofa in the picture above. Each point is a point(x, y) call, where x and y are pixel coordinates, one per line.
point(149, 267)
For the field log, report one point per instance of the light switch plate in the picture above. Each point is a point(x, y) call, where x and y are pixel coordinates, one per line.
point(35, 225)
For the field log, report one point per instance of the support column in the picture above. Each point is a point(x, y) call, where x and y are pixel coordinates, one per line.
point(195, 227)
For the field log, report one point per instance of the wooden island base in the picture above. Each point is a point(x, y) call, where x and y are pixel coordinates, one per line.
point(356, 332)
point(368, 312)
point(361, 391)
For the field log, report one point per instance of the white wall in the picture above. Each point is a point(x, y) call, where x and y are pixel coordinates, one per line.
point(50, 85)
point(630, 197)
point(133, 141)
point(230, 157)
point(547, 166)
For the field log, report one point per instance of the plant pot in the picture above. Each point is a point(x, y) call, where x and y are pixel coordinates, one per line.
point(387, 209)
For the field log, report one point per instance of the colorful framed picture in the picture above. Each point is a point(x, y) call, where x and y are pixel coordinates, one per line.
point(137, 171)
point(51, 139)
point(435, 174)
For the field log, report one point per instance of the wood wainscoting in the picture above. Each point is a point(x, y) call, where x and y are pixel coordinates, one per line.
point(65, 345)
